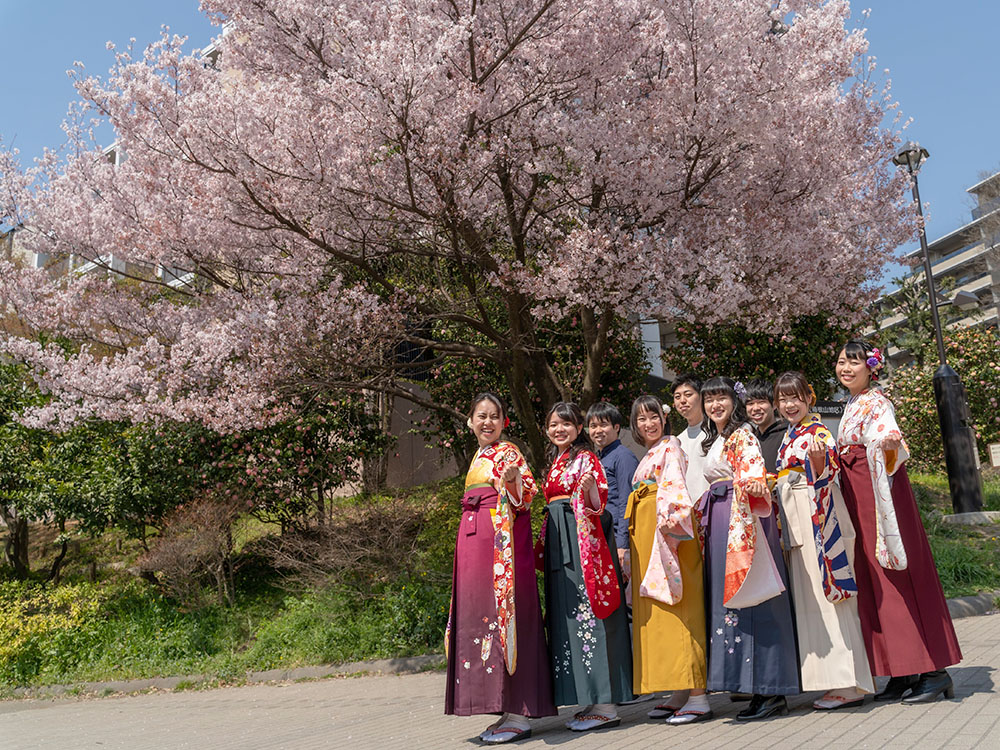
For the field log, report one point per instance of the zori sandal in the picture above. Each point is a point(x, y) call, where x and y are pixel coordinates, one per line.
point(503, 735)
point(595, 721)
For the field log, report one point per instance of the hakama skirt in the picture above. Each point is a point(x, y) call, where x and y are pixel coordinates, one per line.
point(668, 640)
point(831, 644)
point(750, 650)
point(478, 682)
point(904, 615)
point(591, 658)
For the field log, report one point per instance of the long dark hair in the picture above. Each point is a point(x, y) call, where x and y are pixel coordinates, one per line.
point(721, 386)
point(569, 412)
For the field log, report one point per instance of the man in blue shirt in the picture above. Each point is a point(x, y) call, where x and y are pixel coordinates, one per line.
point(604, 425)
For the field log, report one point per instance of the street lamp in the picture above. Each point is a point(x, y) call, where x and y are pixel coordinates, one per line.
point(959, 438)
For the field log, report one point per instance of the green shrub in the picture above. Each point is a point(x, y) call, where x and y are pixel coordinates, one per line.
point(973, 352)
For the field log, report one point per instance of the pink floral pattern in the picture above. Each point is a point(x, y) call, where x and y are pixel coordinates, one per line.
point(662, 470)
point(869, 418)
point(600, 578)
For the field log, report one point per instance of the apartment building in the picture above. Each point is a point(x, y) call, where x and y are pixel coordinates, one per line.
point(966, 262)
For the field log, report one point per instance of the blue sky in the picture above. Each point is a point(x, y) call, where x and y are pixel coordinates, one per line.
point(941, 57)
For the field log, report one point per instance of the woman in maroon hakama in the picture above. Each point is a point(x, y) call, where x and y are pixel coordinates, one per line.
point(904, 616)
point(498, 662)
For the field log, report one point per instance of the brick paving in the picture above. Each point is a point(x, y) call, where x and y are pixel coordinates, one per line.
point(404, 711)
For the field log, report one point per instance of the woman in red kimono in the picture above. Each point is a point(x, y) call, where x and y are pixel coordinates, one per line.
point(904, 617)
point(585, 610)
point(497, 659)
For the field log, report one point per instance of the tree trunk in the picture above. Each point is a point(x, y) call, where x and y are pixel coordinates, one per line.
point(375, 468)
point(595, 336)
point(17, 541)
point(55, 572)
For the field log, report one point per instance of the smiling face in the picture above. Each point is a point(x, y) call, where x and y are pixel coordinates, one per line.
point(792, 407)
point(602, 432)
point(561, 432)
point(719, 408)
point(687, 401)
point(761, 413)
point(852, 373)
point(649, 425)
point(487, 422)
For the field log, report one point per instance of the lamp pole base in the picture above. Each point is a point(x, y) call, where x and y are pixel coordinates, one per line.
point(960, 454)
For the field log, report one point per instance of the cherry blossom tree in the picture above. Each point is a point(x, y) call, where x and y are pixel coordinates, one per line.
point(338, 183)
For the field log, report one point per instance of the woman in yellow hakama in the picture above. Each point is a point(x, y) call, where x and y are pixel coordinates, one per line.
point(667, 589)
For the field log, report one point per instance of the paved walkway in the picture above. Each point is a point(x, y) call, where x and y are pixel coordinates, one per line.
point(389, 712)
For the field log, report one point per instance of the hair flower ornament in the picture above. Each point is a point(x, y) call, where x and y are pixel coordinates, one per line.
point(741, 390)
point(875, 359)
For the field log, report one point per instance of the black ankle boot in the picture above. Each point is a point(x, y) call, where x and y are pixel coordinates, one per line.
point(896, 688)
point(762, 707)
point(930, 686)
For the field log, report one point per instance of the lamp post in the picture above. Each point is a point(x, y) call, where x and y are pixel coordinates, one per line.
point(957, 434)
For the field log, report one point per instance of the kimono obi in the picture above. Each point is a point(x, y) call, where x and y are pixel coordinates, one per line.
point(852, 453)
point(719, 490)
point(794, 474)
point(556, 498)
point(640, 491)
point(476, 497)
point(562, 504)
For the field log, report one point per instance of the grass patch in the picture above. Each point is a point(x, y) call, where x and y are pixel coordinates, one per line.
point(119, 627)
point(966, 556)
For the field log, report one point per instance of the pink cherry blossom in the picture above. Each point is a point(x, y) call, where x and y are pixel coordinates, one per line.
point(348, 176)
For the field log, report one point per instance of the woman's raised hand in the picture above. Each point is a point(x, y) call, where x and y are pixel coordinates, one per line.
point(817, 451)
point(891, 442)
point(510, 474)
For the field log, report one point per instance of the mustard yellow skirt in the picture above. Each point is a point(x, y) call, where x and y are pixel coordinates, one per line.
point(668, 641)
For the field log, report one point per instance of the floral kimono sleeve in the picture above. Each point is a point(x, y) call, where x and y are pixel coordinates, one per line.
point(742, 451)
point(597, 564)
point(588, 463)
point(674, 508)
point(747, 462)
point(523, 488)
point(879, 424)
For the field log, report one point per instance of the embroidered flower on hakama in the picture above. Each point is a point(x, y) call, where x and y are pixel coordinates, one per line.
point(466, 665)
point(732, 619)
